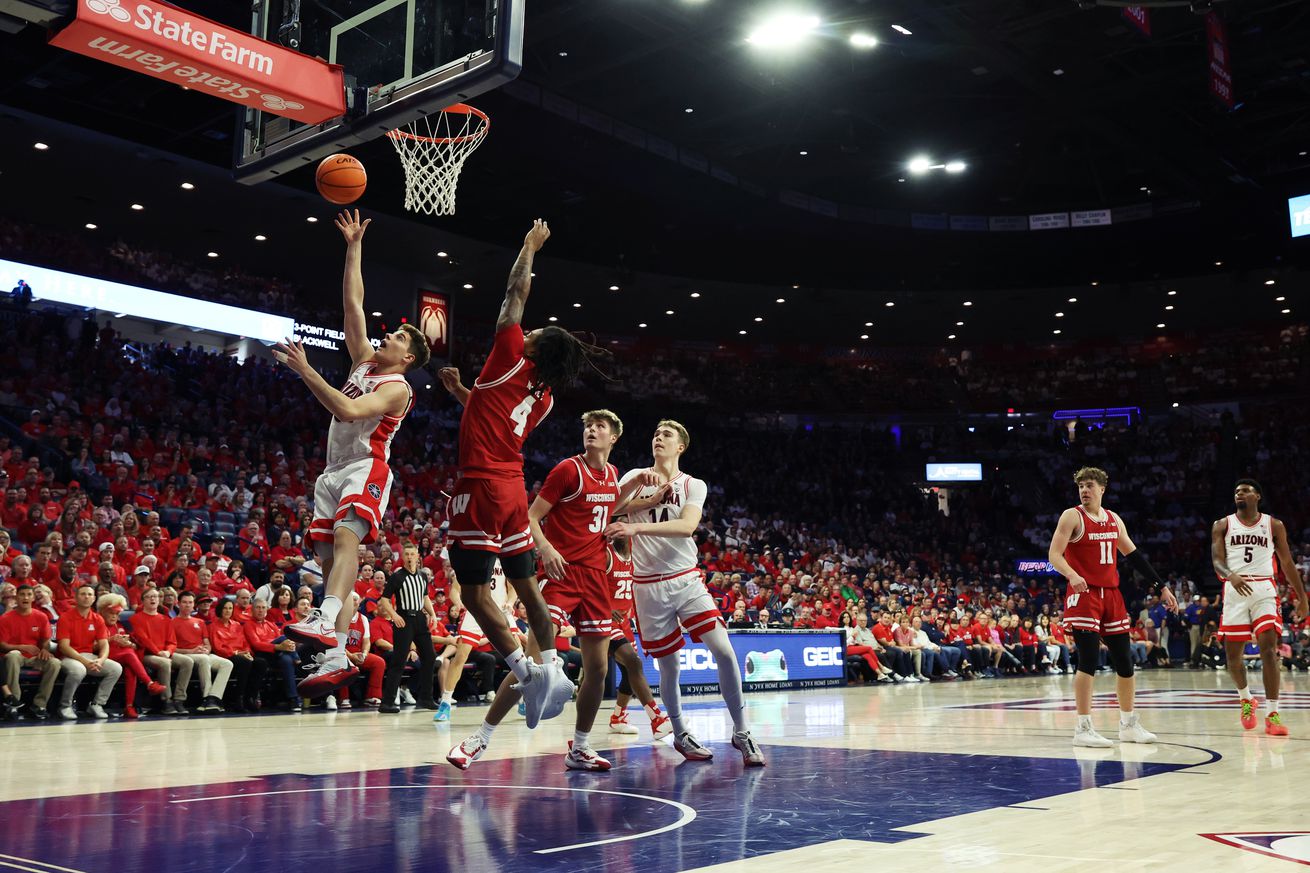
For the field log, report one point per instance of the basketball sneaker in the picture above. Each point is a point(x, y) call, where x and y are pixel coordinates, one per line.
point(333, 671)
point(585, 759)
point(691, 748)
point(1248, 714)
point(1088, 738)
point(619, 724)
point(536, 690)
point(315, 631)
point(1274, 726)
point(463, 755)
point(751, 755)
point(1131, 731)
point(661, 726)
point(443, 712)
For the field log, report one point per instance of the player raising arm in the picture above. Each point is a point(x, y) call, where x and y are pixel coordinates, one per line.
point(1084, 549)
point(350, 496)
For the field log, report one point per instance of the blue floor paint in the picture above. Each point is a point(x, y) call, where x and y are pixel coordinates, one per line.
point(508, 815)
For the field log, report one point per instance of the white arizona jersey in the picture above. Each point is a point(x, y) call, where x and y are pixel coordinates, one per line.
point(371, 437)
point(1251, 547)
point(655, 558)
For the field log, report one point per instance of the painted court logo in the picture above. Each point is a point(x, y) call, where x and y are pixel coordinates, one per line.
point(1287, 845)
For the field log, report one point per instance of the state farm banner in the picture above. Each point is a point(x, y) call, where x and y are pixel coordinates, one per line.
point(177, 46)
point(1221, 70)
point(434, 321)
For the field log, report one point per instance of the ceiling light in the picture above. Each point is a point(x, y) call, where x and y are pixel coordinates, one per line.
point(1143, 188)
point(468, 286)
point(668, 312)
point(1271, 282)
point(1175, 404)
point(137, 207)
point(1302, 154)
point(783, 31)
point(90, 226)
point(311, 219)
point(1287, 312)
point(1057, 72)
point(920, 165)
point(689, 110)
point(1073, 299)
point(1094, 284)
point(950, 336)
point(794, 287)
point(643, 324)
point(741, 333)
point(212, 254)
point(1169, 308)
point(1173, 293)
point(863, 40)
point(614, 287)
point(956, 167)
point(900, 180)
point(781, 300)
point(890, 303)
point(376, 314)
point(868, 324)
point(959, 324)
point(968, 303)
point(428, 387)
point(552, 318)
point(563, 54)
point(577, 305)
point(1218, 263)
point(695, 295)
point(803, 153)
point(758, 319)
point(259, 237)
point(1056, 331)
point(40, 146)
point(864, 336)
point(1059, 315)
point(1161, 324)
point(904, 31)
point(443, 254)
point(1276, 299)
point(187, 186)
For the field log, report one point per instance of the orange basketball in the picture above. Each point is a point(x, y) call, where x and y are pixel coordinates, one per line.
point(341, 179)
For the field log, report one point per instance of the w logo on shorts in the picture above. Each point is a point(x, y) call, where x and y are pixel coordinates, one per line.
point(374, 491)
point(459, 503)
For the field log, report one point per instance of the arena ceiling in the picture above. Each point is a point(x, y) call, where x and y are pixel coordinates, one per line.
point(1052, 107)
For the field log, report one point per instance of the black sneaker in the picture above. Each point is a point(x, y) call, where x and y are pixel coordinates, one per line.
point(389, 708)
point(179, 708)
point(212, 705)
point(36, 713)
point(170, 708)
point(429, 704)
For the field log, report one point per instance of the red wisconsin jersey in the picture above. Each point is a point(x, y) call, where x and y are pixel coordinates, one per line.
point(581, 500)
point(504, 406)
point(1094, 554)
point(621, 581)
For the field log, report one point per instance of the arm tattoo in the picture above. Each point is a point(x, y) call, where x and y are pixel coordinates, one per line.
point(516, 294)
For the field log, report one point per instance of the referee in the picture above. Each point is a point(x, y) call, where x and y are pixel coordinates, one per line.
point(410, 617)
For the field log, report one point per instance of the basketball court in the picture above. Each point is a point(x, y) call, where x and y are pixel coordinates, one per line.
point(977, 775)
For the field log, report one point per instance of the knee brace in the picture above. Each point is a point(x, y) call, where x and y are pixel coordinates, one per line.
point(1088, 646)
point(520, 566)
point(472, 567)
point(1121, 654)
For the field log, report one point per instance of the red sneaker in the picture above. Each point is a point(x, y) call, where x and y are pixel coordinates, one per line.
point(660, 726)
point(156, 688)
point(331, 674)
point(1274, 726)
point(1248, 714)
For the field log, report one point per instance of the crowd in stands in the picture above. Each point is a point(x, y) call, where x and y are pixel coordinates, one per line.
point(184, 477)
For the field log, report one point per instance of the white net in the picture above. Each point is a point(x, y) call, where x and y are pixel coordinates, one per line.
point(432, 150)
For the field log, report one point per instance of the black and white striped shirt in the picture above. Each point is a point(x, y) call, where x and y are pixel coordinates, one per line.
point(408, 588)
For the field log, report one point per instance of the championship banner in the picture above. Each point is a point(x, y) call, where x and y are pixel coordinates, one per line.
point(1221, 70)
point(1140, 17)
point(177, 46)
point(434, 321)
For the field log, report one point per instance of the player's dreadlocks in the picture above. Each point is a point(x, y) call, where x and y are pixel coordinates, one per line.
point(561, 357)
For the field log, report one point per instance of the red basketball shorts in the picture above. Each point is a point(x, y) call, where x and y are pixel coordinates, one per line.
point(582, 599)
point(490, 515)
point(1099, 610)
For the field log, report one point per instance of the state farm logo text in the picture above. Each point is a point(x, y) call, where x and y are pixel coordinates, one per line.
point(213, 42)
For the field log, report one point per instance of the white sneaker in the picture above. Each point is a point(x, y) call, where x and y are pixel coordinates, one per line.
point(314, 631)
point(1133, 732)
point(97, 710)
point(407, 698)
point(535, 690)
point(1090, 739)
point(562, 691)
point(67, 713)
point(333, 671)
point(584, 759)
point(751, 755)
point(463, 755)
point(619, 724)
point(331, 703)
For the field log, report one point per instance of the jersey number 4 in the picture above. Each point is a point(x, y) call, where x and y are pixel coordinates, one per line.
point(519, 414)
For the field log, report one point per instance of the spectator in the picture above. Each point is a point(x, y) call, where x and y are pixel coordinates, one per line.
point(358, 645)
point(228, 639)
point(124, 650)
point(948, 658)
point(83, 649)
point(272, 649)
point(154, 635)
point(192, 636)
point(25, 635)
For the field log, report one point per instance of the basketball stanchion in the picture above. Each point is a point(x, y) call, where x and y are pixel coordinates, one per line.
point(433, 149)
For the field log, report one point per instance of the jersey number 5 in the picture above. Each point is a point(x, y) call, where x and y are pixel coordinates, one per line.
point(519, 415)
point(599, 517)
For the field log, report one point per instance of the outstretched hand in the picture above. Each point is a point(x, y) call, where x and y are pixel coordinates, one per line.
point(537, 237)
point(1168, 599)
point(620, 530)
point(449, 377)
point(292, 354)
point(351, 227)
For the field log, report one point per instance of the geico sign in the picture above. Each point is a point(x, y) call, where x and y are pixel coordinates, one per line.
point(178, 46)
point(694, 659)
point(822, 657)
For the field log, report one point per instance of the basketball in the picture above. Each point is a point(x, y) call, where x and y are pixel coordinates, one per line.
point(341, 179)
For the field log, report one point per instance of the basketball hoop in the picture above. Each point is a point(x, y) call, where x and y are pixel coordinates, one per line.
point(432, 150)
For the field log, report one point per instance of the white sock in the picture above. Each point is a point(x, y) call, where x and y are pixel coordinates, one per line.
point(448, 697)
point(1125, 717)
point(549, 656)
point(729, 675)
point(618, 710)
point(582, 739)
point(652, 710)
point(519, 664)
point(331, 608)
point(1084, 722)
point(670, 694)
point(1244, 693)
point(340, 647)
point(1272, 704)
point(485, 731)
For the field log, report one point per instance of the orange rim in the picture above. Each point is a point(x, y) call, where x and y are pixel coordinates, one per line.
point(459, 109)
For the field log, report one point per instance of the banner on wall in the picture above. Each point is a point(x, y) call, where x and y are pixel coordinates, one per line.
point(1140, 17)
point(769, 661)
point(434, 321)
point(1221, 70)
